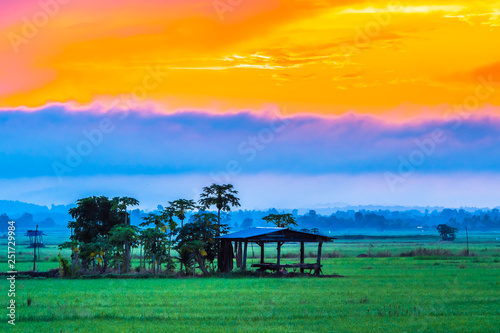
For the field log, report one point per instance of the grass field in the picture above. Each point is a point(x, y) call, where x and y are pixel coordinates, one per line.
point(394, 294)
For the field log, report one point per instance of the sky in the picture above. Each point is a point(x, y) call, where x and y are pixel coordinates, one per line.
point(298, 103)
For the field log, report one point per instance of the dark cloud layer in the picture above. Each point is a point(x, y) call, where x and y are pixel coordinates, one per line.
point(54, 141)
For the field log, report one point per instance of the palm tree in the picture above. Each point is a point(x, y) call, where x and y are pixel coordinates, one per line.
point(120, 204)
point(221, 196)
point(167, 217)
point(123, 234)
point(153, 239)
point(181, 206)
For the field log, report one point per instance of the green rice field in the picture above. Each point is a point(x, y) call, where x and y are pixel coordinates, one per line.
point(443, 292)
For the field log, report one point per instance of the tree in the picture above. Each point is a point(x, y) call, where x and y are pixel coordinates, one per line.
point(447, 232)
point(358, 218)
point(155, 239)
point(120, 237)
point(100, 251)
point(120, 204)
point(247, 223)
point(167, 216)
point(181, 206)
point(281, 220)
point(4, 220)
point(94, 217)
point(221, 196)
point(196, 241)
point(155, 246)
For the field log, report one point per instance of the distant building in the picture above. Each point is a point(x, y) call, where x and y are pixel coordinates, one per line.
point(35, 236)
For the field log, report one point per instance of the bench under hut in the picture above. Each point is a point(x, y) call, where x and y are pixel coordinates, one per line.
point(263, 236)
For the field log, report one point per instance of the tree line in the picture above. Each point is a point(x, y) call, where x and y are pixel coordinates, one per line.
point(102, 236)
point(342, 219)
point(384, 219)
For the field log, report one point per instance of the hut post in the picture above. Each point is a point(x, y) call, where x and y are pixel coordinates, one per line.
point(302, 257)
point(235, 253)
point(239, 253)
point(318, 260)
point(262, 252)
point(226, 260)
point(279, 257)
point(244, 262)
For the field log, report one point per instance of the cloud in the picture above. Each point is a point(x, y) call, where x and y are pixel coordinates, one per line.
point(263, 48)
point(489, 73)
point(492, 70)
point(404, 9)
point(485, 14)
point(56, 141)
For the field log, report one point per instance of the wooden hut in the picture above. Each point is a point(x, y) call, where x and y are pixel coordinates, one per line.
point(35, 236)
point(263, 236)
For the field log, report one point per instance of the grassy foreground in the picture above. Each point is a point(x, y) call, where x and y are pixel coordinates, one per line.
point(445, 293)
point(377, 294)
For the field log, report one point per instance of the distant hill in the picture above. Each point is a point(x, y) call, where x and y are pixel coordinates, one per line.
point(326, 209)
point(18, 208)
point(13, 208)
point(28, 215)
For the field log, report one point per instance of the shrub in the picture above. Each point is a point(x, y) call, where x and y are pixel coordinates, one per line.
point(465, 254)
point(382, 254)
point(311, 254)
point(64, 267)
point(364, 299)
point(333, 254)
point(422, 251)
point(289, 255)
point(170, 264)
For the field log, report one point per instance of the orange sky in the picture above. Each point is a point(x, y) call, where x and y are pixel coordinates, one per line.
point(316, 56)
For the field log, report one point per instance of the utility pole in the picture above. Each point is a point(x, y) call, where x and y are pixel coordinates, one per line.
point(34, 249)
point(467, 234)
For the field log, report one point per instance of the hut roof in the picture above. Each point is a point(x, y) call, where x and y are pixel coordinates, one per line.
point(34, 233)
point(275, 235)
